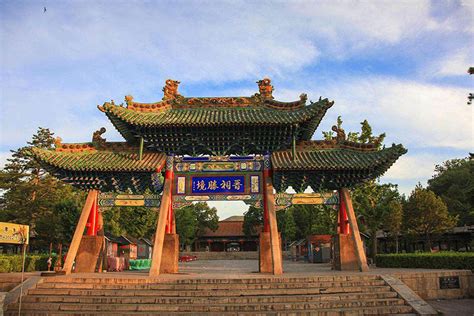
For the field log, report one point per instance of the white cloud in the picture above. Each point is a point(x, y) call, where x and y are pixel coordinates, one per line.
point(459, 19)
point(454, 64)
point(217, 41)
point(415, 166)
point(412, 113)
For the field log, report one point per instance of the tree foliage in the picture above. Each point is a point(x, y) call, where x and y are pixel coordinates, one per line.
point(131, 221)
point(313, 220)
point(193, 220)
point(426, 214)
point(374, 202)
point(31, 196)
point(253, 219)
point(288, 225)
point(186, 225)
point(454, 183)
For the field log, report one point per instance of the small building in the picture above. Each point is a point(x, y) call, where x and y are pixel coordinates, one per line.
point(127, 247)
point(144, 248)
point(229, 236)
point(112, 245)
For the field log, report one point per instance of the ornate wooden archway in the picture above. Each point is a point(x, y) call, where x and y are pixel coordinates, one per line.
point(192, 142)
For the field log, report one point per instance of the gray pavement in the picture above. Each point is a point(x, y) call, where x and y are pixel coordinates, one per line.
point(461, 307)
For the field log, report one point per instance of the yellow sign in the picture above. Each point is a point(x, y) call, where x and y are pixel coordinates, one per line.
point(129, 202)
point(11, 233)
point(310, 198)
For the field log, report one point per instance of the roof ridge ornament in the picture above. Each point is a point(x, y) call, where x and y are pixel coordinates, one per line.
point(97, 138)
point(265, 88)
point(340, 134)
point(58, 142)
point(170, 90)
point(129, 100)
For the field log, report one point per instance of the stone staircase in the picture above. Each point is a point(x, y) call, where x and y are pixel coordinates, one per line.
point(321, 295)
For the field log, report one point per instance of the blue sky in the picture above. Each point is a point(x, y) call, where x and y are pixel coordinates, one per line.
point(400, 64)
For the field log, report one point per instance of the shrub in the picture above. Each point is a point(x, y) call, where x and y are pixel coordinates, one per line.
point(4, 265)
point(439, 260)
point(12, 263)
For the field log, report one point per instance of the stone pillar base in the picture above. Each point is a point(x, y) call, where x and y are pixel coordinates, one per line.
point(170, 256)
point(345, 257)
point(88, 253)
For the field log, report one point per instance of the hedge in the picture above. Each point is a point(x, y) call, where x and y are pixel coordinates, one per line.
point(427, 260)
point(12, 263)
point(140, 264)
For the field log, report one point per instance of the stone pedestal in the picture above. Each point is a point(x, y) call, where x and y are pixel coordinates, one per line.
point(170, 256)
point(88, 253)
point(345, 256)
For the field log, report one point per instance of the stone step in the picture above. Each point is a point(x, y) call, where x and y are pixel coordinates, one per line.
point(173, 286)
point(212, 307)
point(205, 300)
point(391, 310)
point(209, 293)
point(105, 279)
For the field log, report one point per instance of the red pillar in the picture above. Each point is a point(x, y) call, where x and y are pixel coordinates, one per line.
point(92, 220)
point(169, 174)
point(343, 219)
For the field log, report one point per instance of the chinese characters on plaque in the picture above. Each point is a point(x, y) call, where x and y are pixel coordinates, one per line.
point(218, 184)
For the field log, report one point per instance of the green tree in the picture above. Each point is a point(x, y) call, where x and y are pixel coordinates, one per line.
point(426, 214)
point(394, 220)
point(136, 222)
point(31, 196)
point(59, 226)
point(289, 230)
point(454, 183)
point(193, 220)
point(186, 225)
point(206, 217)
point(374, 203)
point(313, 220)
point(253, 219)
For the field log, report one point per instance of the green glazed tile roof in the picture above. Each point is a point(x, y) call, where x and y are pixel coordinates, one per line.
point(217, 116)
point(336, 159)
point(322, 169)
point(100, 160)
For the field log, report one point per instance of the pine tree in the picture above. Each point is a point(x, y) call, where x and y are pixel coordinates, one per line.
point(31, 195)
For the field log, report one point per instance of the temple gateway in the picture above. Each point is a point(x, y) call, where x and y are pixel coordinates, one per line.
point(185, 149)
